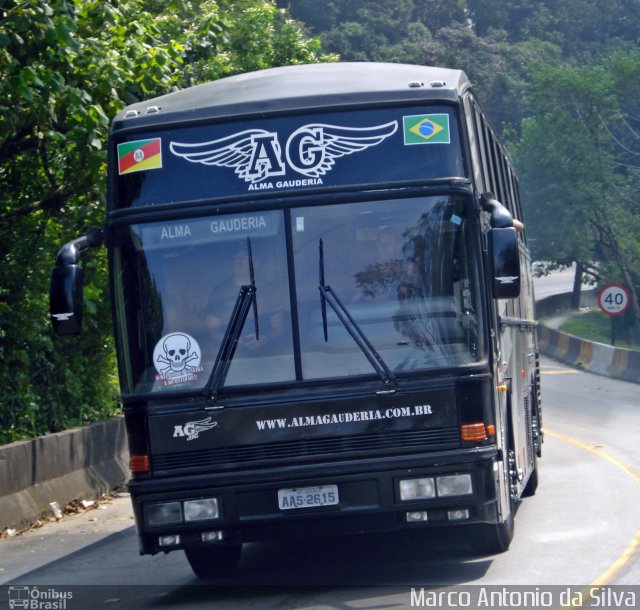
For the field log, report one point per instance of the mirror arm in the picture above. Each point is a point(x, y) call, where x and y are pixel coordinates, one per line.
point(69, 254)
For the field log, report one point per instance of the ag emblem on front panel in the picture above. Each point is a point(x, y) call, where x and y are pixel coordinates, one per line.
point(192, 429)
point(311, 150)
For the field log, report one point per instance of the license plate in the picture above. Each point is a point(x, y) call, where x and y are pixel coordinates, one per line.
point(307, 497)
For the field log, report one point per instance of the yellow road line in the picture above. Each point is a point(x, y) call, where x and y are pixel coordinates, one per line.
point(634, 546)
point(560, 372)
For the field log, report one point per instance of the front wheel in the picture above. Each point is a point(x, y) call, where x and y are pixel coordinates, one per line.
point(491, 538)
point(211, 562)
point(494, 538)
point(532, 483)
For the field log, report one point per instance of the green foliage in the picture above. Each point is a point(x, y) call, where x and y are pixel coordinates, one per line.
point(67, 67)
point(494, 41)
point(578, 156)
point(595, 325)
point(581, 28)
point(427, 32)
point(571, 117)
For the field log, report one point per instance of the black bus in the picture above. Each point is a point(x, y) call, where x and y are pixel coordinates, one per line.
point(323, 309)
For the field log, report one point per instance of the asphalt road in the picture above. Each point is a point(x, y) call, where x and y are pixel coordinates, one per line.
point(581, 528)
point(555, 283)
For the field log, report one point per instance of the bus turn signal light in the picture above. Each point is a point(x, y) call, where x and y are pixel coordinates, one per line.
point(139, 463)
point(476, 432)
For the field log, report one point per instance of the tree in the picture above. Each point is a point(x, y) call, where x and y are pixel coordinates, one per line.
point(576, 127)
point(494, 65)
point(67, 66)
point(579, 159)
point(583, 29)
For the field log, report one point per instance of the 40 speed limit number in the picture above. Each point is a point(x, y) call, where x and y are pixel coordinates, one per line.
point(614, 299)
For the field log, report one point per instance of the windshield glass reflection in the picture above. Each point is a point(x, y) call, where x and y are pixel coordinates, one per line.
point(180, 286)
point(404, 272)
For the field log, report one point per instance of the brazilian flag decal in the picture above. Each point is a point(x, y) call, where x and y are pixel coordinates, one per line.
point(426, 129)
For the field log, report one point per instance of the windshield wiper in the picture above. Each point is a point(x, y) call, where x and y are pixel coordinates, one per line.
point(245, 300)
point(327, 295)
point(252, 279)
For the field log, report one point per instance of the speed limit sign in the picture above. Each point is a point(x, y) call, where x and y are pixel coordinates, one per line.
point(614, 299)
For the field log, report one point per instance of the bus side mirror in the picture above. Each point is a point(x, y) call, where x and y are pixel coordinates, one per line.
point(66, 290)
point(65, 300)
point(505, 263)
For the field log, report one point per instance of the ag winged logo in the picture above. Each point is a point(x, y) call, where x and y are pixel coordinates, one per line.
point(193, 429)
point(256, 155)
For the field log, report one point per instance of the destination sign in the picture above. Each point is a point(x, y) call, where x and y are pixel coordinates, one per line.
point(208, 230)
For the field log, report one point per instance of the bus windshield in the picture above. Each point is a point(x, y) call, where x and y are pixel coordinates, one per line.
point(403, 270)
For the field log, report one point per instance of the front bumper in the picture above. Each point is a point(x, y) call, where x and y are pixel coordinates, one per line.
point(369, 500)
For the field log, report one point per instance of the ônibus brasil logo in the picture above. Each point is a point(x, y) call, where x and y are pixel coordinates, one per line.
point(38, 598)
point(256, 155)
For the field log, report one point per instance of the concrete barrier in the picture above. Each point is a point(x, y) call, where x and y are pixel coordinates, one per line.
point(561, 303)
point(80, 463)
point(615, 362)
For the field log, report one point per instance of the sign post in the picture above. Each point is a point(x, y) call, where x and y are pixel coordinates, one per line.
point(614, 300)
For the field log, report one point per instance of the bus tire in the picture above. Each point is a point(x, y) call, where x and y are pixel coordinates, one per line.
point(491, 538)
point(494, 538)
point(532, 483)
point(208, 563)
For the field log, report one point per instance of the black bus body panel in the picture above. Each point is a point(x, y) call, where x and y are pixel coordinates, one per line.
point(244, 455)
point(295, 89)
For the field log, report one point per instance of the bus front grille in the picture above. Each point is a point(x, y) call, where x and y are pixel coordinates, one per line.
point(308, 450)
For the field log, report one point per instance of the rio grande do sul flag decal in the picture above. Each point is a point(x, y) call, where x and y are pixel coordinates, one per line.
point(139, 156)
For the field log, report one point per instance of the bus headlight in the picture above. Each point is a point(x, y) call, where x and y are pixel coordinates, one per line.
point(163, 513)
point(454, 485)
point(417, 489)
point(201, 510)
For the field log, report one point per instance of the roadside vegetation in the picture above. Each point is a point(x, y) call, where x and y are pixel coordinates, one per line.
point(66, 68)
point(559, 78)
point(594, 325)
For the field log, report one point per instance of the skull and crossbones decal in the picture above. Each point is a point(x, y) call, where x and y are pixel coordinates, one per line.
point(176, 357)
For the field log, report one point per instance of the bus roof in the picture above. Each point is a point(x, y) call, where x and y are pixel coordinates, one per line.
point(297, 88)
